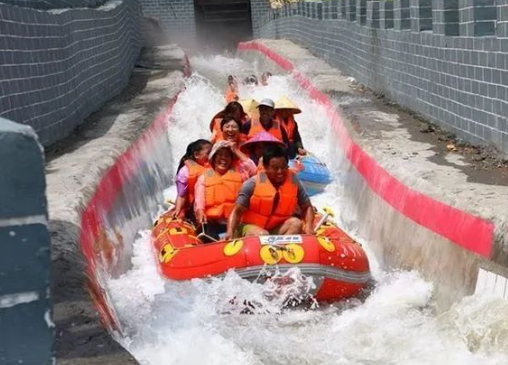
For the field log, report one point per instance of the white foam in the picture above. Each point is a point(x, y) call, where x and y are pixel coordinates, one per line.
point(200, 322)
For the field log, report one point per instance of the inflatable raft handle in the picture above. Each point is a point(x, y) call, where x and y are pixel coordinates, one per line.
point(328, 213)
point(204, 235)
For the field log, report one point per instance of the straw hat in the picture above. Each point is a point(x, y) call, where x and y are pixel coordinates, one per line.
point(285, 103)
point(249, 105)
point(262, 136)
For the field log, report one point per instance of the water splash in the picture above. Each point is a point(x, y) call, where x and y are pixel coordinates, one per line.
point(232, 321)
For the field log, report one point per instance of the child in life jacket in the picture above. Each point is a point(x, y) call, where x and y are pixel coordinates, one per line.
point(191, 167)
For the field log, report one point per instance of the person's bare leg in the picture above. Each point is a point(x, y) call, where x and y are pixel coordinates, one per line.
point(291, 226)
point(253, 230)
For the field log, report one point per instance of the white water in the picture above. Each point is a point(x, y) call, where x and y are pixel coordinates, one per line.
point(197, 322)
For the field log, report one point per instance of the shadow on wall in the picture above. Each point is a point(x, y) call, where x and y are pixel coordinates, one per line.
point(222, 24)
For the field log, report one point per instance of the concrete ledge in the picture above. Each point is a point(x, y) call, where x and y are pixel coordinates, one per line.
point(101, 191)
point(414, 213)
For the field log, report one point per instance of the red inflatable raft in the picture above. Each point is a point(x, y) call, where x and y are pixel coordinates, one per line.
point(337, 264)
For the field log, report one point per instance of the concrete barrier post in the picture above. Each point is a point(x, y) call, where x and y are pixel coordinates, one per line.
point(26, 328)
point(445, 17)
point(373, 14)
point(401, 16)
point(421, 15)
point(386, 14)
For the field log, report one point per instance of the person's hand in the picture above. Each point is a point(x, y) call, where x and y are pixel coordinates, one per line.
point(308, 229)
point(233, 146)
point(229, 235)
point(302, 151)
point(200, 216)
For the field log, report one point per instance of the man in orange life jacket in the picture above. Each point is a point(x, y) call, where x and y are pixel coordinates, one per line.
point(267, 122)
point(268, 201)
point(285, 110)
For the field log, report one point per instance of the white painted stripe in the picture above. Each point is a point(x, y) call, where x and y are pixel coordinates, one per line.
point(21, 221)
point(11, 300)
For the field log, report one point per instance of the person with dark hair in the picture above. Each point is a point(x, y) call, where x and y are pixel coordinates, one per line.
point(218, 186)
point(191, 166)
point(231, 130)
point(251, 80)
point(268, 202)
point(268, 123)
point(231, 93)
point(264, 78)
point(234, 109)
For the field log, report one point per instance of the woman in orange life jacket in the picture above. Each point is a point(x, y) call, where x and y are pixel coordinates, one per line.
point(267, 203)
point(191, 166)
point(218, 186)
point(231, 93)
point(267, 122)
point(285, 110)
point(234, 109)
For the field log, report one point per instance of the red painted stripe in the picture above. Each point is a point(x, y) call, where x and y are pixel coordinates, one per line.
point(466, 230)
point(114, 179)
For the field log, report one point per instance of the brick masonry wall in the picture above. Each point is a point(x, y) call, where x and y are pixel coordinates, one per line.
point(58, 66)
point(459, 82)
point(54, 4)
point(26, 329)
point(176, 17)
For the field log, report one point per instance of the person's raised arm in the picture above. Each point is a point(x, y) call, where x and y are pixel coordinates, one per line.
point(308, 226)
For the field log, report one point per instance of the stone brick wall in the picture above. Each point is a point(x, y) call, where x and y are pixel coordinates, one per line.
point(54, 4)
point(58, 66)
point(176, 17)
point(449, 65)
point(26, 329)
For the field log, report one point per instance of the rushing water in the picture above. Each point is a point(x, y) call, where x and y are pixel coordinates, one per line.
point(203, 322)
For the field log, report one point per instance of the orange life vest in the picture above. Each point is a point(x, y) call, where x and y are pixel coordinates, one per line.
point(289, 127)
point(220, 193)
point(262, 211)
point(195, 171)
point(257, 127)
point(230, 95)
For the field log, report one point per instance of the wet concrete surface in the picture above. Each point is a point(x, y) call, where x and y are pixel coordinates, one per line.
point(481, 164)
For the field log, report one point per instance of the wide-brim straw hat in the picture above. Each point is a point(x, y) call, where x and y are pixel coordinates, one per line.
point(249, 105)
point(285, 103)
point(262, 136)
